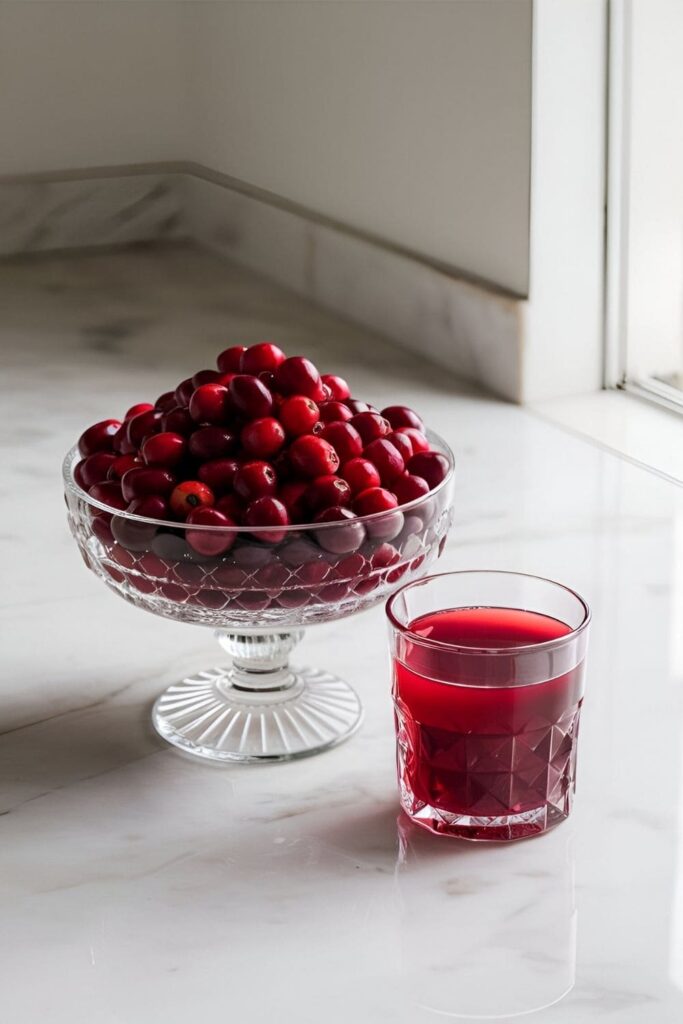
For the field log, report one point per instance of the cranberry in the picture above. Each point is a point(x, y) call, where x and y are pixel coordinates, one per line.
point(313, 456)
point(165, 449)
point(250, 397)
point(339, 389)
point(409, 487)
point(209, 404)
point(108, 493)
point(230, 506)
point(431, 466)
point(178, 421)
point(166, 402)
point(402, 416)
point(370, 426)
point(298, 415)
point(327, 492)
point(189, 495)
point(331, 412)
point(417, 439)
point(218, 474)
point(205, 377)
point(102, 530)
point(298, 376)
point(143, 426)
point(144, 480)
point(230, 576)
point(282, 466)
point(343, 539)
point(255, 480)
point(292, 497)
point(229, 360)
point(387, 459)
point(95, 469)
point(135, 410)
point(212, 443)
point(210, 542)
point(138, 536)
point(121, 465)
point(120, 442)
point(264, 356)
point(267, 511)
point(351, 567)
point(314, 573)
point(360, 474)
point(374, 499)
point(384, 556)
point(345, 440)
point(402, 442)
point(355, 406)
point(273, 577)
point(98, 438)
point(184, 391)
point(225, 379)
point(262, 438)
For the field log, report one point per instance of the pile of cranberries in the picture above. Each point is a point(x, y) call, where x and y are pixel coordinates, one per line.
point(262, 442)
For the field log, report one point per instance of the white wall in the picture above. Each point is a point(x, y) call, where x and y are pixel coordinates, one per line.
point(408, 120)
point(87, 84)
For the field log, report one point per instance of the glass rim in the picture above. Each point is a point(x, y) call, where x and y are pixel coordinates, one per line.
point(442, 645)
point(73, 488)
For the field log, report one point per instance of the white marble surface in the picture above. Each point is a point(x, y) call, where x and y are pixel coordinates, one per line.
point(139, 888)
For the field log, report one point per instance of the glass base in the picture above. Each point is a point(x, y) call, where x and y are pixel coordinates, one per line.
point(501, 828)
point(211, 716)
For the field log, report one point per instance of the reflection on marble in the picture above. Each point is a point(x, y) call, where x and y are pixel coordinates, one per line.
point(39, 215)
point(137, 887)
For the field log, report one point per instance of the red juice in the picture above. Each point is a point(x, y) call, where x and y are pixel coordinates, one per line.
point(475, 738)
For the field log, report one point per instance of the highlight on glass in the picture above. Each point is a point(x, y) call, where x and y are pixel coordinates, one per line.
point(488, 684)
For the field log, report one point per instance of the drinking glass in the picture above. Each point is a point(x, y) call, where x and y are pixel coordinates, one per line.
point(488, 683)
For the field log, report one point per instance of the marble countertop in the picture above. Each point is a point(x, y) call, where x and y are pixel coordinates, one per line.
point(137, 887)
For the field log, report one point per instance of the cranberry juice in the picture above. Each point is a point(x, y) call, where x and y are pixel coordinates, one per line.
point(474, 738)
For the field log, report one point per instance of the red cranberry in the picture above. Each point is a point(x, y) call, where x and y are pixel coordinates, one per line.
point(370, 426)
point(218, 474)
point(262, 438)
point(135, 410)
point(402, 443)
point(184, 391)
point(360, 474)
point(264, 356)
point(386, 458)
point(225, 379)
point(345, 440)
point(230, 506)
point(166, 402)
point(121, 465)
point(95, 469)
point(210, 542)
point(102, 530)
point(314, 573)
point(417, 439)
point(255, 480)
point(230, 576)
point(331, 412)
point(165, 449)
point(313, 456)
point(355, 406)
point(298, 376)
point(209, 404)
point(212, 443)
point(267, 377)
point(327, 492)
point(250, 397)
point(272, 577)
point(402, 416)
point(189, 495)
point(267, 511)
point(409, 487)
point(108, 493)
point(339, 389)
point(205, 377)
point(178, 421)
point(120, 442)
point(229, 360)
point(98, 438)
point(374, 499)
point(384, 556)
point(143, 426)
point(351, 567)
point(151, 507)
point(298, 415)
point(136, 536)
point(144, 480)
point(431, 466)
point(292, 497)
point(282, 466)
point(340, 540)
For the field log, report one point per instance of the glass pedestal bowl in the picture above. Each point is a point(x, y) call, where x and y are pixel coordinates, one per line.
point(258, 590)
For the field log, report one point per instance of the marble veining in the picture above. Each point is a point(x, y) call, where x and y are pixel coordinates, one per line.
point(138, 887)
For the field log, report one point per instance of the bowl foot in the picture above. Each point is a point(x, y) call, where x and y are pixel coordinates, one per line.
point(210, 716)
